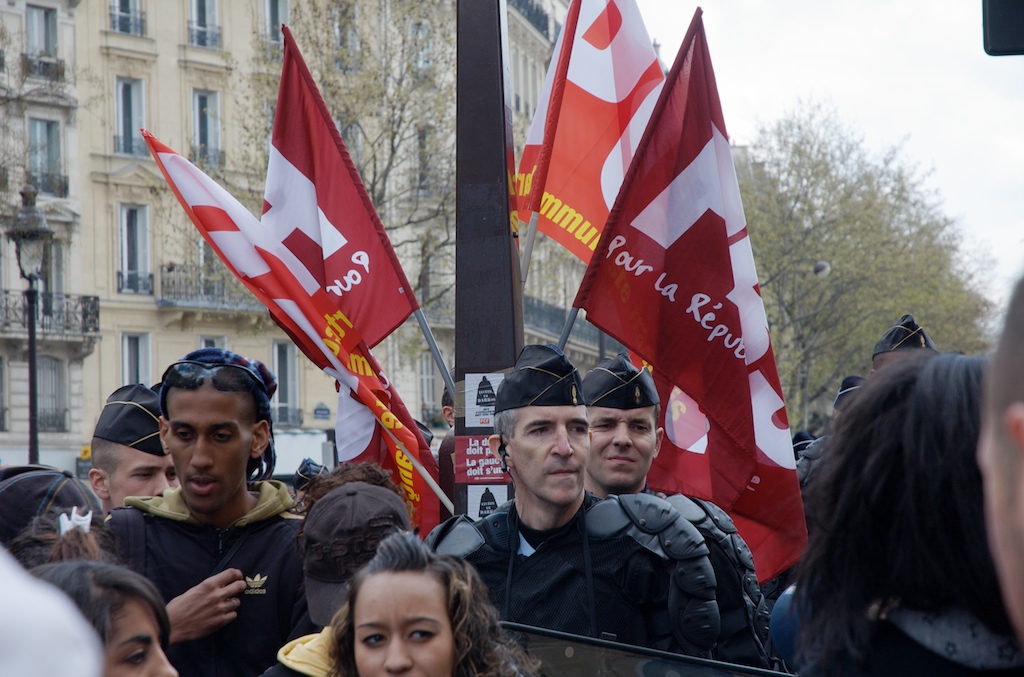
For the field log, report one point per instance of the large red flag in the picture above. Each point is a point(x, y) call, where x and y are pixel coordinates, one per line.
point(299, 304)
point(598, 94)
point(316, 204)
point(673, 278)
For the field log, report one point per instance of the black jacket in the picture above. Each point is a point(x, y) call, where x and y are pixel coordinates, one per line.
point(180, 553)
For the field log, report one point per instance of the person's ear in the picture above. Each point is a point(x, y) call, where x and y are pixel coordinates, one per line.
point(260, 438)
point(98, 479)
point(497, 445)
point(660, 434)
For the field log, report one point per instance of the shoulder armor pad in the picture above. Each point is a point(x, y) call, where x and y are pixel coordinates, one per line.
point(648, 513)
point(606, 519)
point(457, 537)
point(687, 507)
point(652, 521)
point(720, 517)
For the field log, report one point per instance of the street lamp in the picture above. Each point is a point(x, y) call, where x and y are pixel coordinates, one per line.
point(31, 236)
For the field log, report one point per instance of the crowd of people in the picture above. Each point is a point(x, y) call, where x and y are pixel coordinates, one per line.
point(181, 554)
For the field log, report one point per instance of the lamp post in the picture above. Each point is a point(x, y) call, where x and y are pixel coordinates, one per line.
point(31, 236)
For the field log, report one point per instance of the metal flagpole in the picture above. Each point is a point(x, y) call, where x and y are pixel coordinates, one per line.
point(531, 235)
point(567, 329)
point(438, 357)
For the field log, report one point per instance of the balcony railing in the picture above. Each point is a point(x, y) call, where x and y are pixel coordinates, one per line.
point(56, 313)
point(287, 417)
point(184, 286)
point(35, 65)
point(212, 158)
point(53, 420)
point(202, 35)
point(533, 12)
point(134, 282)
point(130, 145)
point(550, 319)
point(129, 23)
point(49, 183)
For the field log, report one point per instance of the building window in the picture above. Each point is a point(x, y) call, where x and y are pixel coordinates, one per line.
point(206, 129)
point(346, 36)
point(423, 48)
point(429, 410)
point(516, 80)
point(203, 30)
point(3, 395)
point(135, 362)
point(127, 18)
point(135, 276)
point(352, 135)
point(44, 158)
point(129, 119)
point(40, 58)
point(286, 400)
point(277, 14)
point(213, 342)
point(52, 408)
point(425, 178)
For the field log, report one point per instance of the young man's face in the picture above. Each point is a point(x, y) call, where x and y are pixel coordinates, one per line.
point(546, 458)
point(623, 444)
point(211, 435)
point(137, 474)
point(1001, 460)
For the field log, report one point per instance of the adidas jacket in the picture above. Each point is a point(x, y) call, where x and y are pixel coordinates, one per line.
point(179, 553)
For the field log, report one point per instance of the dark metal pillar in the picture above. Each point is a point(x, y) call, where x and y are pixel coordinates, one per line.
point(31, 305)
point(488, 296)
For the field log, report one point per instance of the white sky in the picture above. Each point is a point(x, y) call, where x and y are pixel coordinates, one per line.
point(896, 71)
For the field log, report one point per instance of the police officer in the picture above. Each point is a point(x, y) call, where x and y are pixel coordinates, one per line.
point(623, 408)
point(629, 569)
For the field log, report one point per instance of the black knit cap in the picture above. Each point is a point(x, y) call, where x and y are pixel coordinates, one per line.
point(131, 417)
point(543, 377)
point(618, 384)
point(905, 335)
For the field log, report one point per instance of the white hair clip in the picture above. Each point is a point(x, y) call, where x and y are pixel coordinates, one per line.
point(74, 521)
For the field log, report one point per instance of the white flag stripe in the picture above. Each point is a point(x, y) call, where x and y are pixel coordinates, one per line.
point(293, 204)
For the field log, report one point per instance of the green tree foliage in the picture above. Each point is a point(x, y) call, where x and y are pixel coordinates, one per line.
point(814, 195)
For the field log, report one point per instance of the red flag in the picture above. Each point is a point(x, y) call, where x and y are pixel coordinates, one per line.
point(311, 317)
point(598, 95)
point(673, 278)
point(316, 204)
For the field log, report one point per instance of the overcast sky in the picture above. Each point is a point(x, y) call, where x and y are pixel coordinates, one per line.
point(896, 71)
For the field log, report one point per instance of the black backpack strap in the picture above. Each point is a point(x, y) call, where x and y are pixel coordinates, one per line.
point(129, 527)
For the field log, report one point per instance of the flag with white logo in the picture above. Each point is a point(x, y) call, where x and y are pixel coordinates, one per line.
point(598, 94)
point(373, 423)
point(673, 278)
point(316, 204)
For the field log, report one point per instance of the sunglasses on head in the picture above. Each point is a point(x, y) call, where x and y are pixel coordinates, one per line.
point(231, 378)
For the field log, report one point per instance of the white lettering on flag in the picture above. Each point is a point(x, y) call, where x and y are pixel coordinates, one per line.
point(627, 57)
point(772, 440)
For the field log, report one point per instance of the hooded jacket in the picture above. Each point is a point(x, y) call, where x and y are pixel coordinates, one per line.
point(309, 656)
point(179, 553)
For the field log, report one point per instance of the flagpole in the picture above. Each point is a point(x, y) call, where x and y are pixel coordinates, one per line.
point(449, 382)
point(431, 482)
point(567, 329)
point(531, 235)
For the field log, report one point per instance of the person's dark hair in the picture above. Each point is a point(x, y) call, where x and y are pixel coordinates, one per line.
point(41, 543)
point(101, 590)
point(897, 510)
point(481, 648)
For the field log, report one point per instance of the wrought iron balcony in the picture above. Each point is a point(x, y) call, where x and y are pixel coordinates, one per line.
point(127, 22)
point(39, 66)
point(49, 183)
point(549, 319)
point(183, 286)
point(287, 417)
point(202, 35)
point(53, 420)
point(134, 282)
point(56, 314)
point(130, 145)
point(533, 12)
point(212, 158)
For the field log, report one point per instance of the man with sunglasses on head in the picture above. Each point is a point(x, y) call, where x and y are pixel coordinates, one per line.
point(221, 547)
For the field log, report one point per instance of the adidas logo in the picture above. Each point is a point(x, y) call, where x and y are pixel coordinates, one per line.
point(254, 585)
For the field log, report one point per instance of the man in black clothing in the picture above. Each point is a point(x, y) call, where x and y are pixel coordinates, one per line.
point(629, 569)
point(221, 547)
point(623, 407)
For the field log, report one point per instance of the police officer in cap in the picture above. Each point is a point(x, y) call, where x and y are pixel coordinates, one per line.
point(900, 341)
point(623, 407)
point(629, 568)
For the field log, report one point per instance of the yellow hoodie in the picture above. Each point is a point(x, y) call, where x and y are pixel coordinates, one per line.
point(309, 655)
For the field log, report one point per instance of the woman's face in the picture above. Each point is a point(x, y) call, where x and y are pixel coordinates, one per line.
point(134, 646)
point(402, 627)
